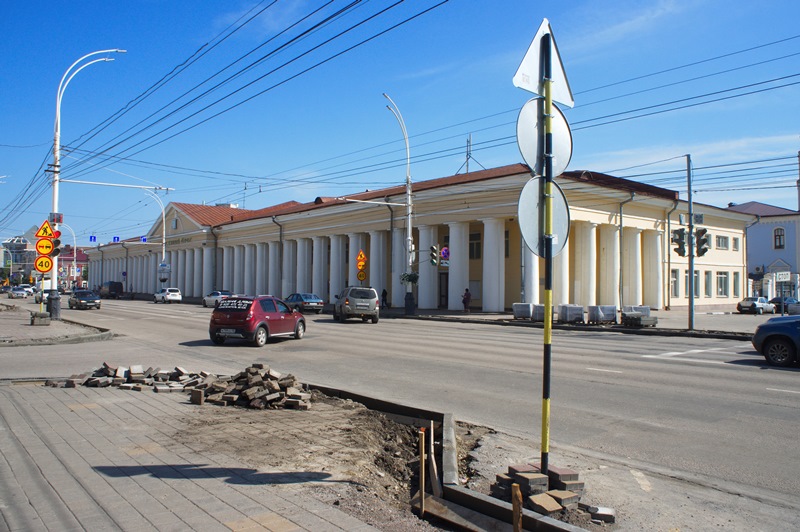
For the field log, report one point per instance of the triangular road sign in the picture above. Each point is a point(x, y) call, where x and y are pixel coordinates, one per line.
point(45, 231)
point(361, 256)
point(529, 73)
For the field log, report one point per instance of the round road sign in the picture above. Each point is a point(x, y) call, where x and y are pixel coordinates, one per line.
point(530, 138)
point(43, 264)
point(531, 216)
point(361, 275)
point(44, 246)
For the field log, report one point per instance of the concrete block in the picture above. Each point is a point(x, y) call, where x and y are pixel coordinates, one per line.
point(576, 486)
point(503, 480)
point(231, 398)
point(181, 371)
point(604, 514)
point(543, 504)
point(276, 375)
point(137, 369)
point(564, 497)
point(522, 468)
point(160, 388)
point(198, 397)
point(126, 386)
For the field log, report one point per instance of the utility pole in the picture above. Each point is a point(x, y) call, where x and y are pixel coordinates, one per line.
point(690, 243)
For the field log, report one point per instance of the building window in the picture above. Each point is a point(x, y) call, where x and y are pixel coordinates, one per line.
point(174, 223)
point(723, 285)
point(696, 283)
point(674, 283)
point(722, 242)
point(709, 289)
point(736, 283)
point(736, 243)
point(780, 238)
point(474, 246)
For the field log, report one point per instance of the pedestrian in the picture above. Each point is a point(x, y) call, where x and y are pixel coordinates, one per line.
point(466, 299)
point(384, 297)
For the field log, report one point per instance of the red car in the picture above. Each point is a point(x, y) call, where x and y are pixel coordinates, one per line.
point(256, 319)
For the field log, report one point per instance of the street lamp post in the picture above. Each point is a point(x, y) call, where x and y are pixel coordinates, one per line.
point(54, 300)
point(163, 228)
point(409, 207)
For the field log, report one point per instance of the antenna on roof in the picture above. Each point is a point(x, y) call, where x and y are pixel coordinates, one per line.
point(469, 156)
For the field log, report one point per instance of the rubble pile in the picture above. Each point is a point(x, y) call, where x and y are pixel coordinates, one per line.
point(257, 386)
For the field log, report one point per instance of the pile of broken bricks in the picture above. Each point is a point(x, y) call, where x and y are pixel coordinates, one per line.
point(258, 386)
point(558, 490)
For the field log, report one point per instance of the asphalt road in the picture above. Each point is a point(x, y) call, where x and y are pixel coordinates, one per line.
point(705, 410)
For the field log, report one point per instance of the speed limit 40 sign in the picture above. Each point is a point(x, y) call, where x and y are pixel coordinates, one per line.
point(43, 264)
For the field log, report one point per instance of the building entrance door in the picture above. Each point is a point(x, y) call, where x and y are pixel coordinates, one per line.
point(443, 279)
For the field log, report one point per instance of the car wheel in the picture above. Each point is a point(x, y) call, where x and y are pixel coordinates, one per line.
point(759, 311)
point(318, 311)
point(773, 310)
point(261, 337)
point(365, 319)
point(218, 340)
point(155, 300)
point(98, 307)
point(299, 330)
point(779, 352)
point(204, 304)
point(374, 319)
point(342, 317)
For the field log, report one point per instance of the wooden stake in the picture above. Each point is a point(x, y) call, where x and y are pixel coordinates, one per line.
point(516, 501)
point(422, 472)
point(434, 472)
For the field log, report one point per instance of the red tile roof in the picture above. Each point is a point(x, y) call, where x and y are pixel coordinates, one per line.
point(761, 209)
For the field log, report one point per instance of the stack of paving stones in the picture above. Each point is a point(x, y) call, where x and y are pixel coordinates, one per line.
point(258, 386)
point(559, 490)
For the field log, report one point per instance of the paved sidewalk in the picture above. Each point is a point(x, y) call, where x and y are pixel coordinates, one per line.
point(107, 459)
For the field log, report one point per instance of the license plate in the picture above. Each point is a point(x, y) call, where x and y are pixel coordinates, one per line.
point(363, 306)
point(227, 331)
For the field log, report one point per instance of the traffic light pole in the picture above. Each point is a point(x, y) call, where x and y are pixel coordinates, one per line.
point(690, 242)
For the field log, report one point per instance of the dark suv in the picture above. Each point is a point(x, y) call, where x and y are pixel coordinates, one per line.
point(256, 319)
point(357, 302)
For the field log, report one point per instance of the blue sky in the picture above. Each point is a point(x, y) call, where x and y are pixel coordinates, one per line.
point(316, 123)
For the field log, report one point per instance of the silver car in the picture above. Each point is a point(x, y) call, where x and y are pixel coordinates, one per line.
point(357, 302)
point(213, 299)
point(756, 305)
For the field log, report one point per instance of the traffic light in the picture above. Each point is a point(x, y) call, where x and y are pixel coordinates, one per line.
point(56, 247)
point(434, 255)
point(702, 238)
point(679, 239)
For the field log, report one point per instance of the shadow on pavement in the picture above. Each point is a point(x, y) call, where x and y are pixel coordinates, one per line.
point(232, 475)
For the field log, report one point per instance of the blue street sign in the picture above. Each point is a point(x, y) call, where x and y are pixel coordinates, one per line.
point(115, 239)
point(144, 239)
point(92, 238)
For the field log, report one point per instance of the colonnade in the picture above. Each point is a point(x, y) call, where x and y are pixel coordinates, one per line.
point(588, 271)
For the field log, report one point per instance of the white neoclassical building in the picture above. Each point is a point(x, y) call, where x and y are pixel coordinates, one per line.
point(618, 250)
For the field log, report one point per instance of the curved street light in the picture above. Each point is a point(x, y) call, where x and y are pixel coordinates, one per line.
point(409, 235)
point(55, 308)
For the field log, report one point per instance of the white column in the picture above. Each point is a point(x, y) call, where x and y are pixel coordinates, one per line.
point(319, 277)
point(494, 261)
point(249, 269)
point(289, 268)
point(585, 263)
point(197, 276)
point(238, 269)
point(227, 268)
point(262, 268)
point(609, 265)
point(530, 275)
point(188, 281)
point(561, 280)
point(274, 277)
point(337, 267)
point(632, 267)
point(377, 260)
point(208, 270)
point(303, 265)
point(652, 256)
point(428, 287)
point(356, 244)
point(155, 261)
point(399, 261)
point(458, 279)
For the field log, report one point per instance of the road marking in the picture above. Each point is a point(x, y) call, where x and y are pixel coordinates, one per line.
point(604, 370)
point(679, 355)
point(642, 480)
point(779, 390)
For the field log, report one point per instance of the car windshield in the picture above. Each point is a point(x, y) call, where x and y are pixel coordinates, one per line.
point(310, 296)
point(83, 293)
point(363, 293)
point(235, 305)
point(751, 299)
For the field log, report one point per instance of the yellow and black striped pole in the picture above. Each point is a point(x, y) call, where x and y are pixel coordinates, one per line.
point(548, 248)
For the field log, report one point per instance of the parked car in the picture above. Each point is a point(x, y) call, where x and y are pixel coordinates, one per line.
point(111, 290)
point(4, 289)
point(17, 293)
point(755, 305)
point(782, 303)
point(306, 302)
point(28, 288)
point(778, 339)
point(256, 319)
point(213, 299)
point(357, 302)
point(84, 299)
point(168, 295)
